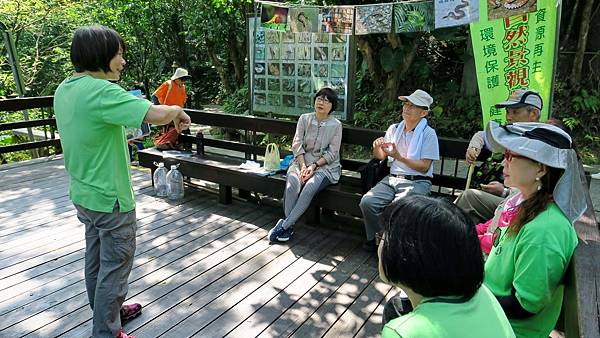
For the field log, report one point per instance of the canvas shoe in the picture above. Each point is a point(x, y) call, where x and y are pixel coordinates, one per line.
point(122, 334)
point(129, 312)
point(286, 235)
point(276, 231)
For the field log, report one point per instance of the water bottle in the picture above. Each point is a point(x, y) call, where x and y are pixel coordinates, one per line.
point(175, 182)
point(161, 187)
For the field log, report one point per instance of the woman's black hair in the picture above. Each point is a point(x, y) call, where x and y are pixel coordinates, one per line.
point(331, 96)
point(93, 47)
point(430, 245)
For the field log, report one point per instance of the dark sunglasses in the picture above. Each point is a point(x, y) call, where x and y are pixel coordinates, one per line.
point(508, 155)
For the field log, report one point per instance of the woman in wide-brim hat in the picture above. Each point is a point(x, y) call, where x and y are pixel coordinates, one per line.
point(529, 257)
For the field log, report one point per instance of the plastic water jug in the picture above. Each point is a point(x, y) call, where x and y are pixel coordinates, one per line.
point(161, 187)
point(175, 182)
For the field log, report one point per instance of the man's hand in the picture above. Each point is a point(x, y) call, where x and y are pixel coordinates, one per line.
point(378, 142)
point(472, 154)
point(494, 187)
point(182, 121)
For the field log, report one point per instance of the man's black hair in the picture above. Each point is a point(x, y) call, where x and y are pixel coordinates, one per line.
point(93, 47)
point(430, 245)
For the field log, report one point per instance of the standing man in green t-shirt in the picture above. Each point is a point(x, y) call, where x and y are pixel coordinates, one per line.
point(91, 113)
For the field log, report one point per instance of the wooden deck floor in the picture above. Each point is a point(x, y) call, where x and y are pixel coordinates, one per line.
point(201, 269)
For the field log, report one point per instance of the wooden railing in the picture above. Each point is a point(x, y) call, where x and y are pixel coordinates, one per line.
point(48, 124)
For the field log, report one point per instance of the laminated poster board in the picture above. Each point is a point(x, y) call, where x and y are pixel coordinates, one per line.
point(287, 68)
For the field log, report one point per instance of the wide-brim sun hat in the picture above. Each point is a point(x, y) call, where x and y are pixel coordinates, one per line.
point(419, 98)
point(181, 73)
point(549, 145)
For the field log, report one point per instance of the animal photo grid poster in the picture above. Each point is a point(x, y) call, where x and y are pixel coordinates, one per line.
point(289, 68)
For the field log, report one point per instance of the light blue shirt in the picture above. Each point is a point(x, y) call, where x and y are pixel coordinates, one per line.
point(429, 151)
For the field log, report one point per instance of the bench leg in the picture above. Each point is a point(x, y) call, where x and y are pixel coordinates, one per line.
point(224, 194)
point(245, 194)
point(313, 214)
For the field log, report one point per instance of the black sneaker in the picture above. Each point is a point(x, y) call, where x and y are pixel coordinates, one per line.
point(370, 246)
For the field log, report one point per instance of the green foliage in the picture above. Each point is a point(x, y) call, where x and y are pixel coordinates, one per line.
point(237, 103)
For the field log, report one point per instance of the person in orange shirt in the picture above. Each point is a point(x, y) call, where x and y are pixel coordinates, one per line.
point(171, 93)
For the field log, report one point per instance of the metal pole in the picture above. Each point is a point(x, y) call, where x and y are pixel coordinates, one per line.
point(13, 60)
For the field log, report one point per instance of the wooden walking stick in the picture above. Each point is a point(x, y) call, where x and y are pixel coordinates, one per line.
point(470, 175)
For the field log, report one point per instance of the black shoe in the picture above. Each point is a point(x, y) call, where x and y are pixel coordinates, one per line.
point(370, 246)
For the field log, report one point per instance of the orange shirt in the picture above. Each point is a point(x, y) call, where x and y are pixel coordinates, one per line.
point(174, 97)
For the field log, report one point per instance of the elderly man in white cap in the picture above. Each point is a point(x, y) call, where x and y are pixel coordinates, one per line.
point(410, 146)
point(522, 105)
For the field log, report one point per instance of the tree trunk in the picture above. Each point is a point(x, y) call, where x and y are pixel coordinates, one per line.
point(571, 23)
point(468, 84)
point(582, 43)
point(214, 59)
point(368, 55)
point(236, 59)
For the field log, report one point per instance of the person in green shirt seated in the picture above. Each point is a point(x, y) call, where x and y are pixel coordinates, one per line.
point(431, 251)
point(91, 113)
point(530, 255)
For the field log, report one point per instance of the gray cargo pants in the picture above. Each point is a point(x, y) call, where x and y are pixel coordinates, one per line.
point(109, 252)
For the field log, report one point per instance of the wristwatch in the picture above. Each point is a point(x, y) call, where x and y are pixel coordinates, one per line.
point(505, 192)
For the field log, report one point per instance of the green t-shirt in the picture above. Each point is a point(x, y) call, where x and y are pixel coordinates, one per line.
point(481, 316)
point(533, 263)
point(91, 115)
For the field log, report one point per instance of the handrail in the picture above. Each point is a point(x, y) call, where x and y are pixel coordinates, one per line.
point(24, 103)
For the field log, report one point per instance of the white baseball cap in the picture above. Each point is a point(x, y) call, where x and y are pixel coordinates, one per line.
point(419, 98)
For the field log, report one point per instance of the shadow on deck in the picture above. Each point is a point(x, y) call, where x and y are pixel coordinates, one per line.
point(201, 268)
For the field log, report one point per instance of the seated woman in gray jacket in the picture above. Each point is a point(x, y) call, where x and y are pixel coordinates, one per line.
point(316, 165)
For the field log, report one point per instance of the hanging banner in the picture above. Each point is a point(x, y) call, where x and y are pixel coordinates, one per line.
point(450, 13)
point(338, 19)
point(498, 9)
point(413, 16)
point(304, 19)
point(372, 19)
point(273, 17)
point(513, 53)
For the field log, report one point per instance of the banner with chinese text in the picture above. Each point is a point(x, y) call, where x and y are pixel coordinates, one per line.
point(512, 53)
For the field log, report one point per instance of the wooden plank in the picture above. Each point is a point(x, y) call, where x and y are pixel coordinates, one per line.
point(352, 320)
point(149, 251)
point(373, 326)
point(31, 145)
point(174, 281)
point(206, 305)
point(22, 103)
point(241, 309)
point(337, 303)
point(292, 317)
point(27, 124)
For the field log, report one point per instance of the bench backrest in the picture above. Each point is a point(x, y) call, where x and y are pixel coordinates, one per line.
point(447, 177)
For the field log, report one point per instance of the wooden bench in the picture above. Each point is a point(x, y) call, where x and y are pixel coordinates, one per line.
point(208, 163)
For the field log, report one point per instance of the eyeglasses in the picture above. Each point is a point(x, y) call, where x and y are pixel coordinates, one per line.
point(496, 237)
point(322, 99)
point(408, 104)
point(508, 155)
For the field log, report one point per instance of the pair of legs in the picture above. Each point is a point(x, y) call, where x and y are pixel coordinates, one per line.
point(480, 205)
point(109, 252)
point(297, 198)
point(389, 189)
